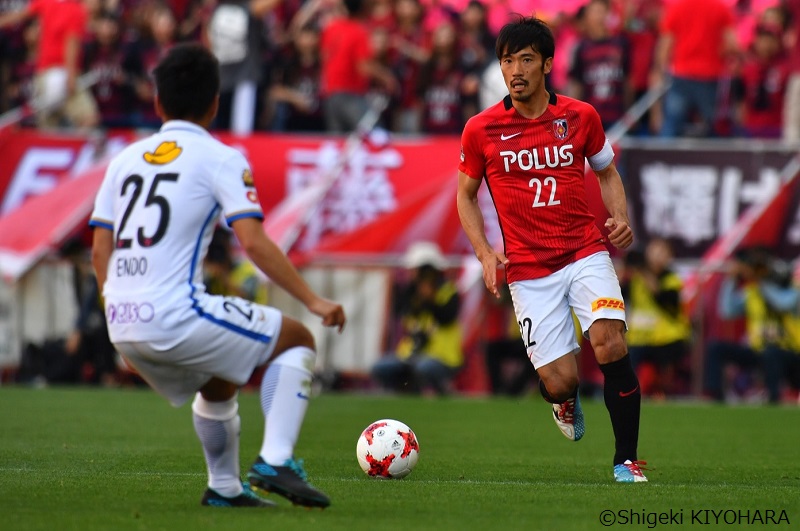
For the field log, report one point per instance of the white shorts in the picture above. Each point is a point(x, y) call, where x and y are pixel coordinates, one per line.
point(589, 287)
point(230, 339)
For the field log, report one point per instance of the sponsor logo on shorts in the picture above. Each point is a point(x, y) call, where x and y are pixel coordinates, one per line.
point(611, 304)
point(130, 312)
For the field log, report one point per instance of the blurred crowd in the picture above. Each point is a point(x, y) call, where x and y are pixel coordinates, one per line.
point(728, 69)
point(313, 65)
point(748, 353)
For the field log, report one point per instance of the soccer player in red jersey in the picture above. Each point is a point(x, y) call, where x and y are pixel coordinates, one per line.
point(531, 149)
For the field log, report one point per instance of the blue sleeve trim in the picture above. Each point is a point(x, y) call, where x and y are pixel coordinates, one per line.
point(101, 223)
point(240, 215)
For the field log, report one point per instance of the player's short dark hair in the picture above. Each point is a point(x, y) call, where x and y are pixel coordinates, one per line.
point(187, 81)
point(353, 7)
point(527, 31)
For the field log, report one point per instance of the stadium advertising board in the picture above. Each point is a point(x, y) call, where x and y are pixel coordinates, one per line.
point(693, 192)
point(33, 163)
point(400, 190)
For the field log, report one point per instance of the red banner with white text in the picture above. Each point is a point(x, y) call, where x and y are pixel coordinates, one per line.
point(47, 184)
point(386, 196)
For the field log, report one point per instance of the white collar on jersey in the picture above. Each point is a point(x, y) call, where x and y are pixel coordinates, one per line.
point(183, 125)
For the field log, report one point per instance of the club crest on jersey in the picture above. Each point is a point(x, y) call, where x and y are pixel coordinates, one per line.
point(165, 153)
point(247, 178)
point(560, 129)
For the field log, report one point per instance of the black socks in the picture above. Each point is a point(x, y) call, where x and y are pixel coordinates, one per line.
point(623, 400)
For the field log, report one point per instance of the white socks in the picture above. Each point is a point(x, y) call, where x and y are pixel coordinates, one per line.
point(284, 399)
point(217, 425)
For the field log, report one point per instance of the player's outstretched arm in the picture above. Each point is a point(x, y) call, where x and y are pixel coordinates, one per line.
point(613, 193)
point(269, 258)
point(102, 247)
point(469, 212)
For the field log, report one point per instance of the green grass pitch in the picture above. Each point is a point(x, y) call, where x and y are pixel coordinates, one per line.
point(89, 459)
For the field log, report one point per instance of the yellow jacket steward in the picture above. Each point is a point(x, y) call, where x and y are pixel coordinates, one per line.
point(443, 339)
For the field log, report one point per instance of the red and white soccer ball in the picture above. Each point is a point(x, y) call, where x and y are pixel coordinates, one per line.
point(387, 449)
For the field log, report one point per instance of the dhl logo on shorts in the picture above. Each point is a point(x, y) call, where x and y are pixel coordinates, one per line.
point(612, 304)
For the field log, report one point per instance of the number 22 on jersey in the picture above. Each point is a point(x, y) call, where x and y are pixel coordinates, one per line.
point(538, 185)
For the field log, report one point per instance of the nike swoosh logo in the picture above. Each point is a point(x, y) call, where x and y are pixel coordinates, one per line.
point(629, 393)
point(305, 397)
point(504, 137)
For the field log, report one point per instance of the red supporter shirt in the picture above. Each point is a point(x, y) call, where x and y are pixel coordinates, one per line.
point(59, 19)
point(601, 67)
point(642, 47)
point(697, 30)
point(407, 69)
point(794, 51)
point(764, 88)
point(442, 104)
point(535, 173)
point(344, 43)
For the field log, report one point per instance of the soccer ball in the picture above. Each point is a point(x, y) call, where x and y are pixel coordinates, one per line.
point(387, 449)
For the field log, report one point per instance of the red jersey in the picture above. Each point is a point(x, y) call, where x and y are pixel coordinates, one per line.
point(794, 51)
point(344, 43)
point(407, 69)
point(534, 170)
point(59, 19)
point(698, 37)
point(601, 68)
point(763, 87)
point(442, 107)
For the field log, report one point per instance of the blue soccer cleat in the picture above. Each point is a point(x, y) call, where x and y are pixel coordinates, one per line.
point(289, 480)
point(247, 498)
point(629, 472)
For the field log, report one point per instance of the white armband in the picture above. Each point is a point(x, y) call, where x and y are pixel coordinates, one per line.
point(603, 158)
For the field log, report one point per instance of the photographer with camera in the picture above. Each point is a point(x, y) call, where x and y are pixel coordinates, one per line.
point(758, 288)
point(428, 354)
point(658, 327)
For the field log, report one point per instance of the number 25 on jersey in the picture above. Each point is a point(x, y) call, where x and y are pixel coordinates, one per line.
point(132, 188)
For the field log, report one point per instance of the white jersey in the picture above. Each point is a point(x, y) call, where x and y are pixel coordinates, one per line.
point(162, 197)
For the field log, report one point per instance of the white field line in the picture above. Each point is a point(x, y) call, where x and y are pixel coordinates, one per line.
point(478, 482)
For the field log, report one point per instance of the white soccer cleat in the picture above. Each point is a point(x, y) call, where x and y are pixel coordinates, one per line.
point(569, 418)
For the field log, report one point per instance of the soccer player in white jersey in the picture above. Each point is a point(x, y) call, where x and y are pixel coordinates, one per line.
point(531, 150)
point(153, 220)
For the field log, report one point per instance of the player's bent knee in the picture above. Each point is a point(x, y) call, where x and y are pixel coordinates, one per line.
point(293, 334)
point(218, 390)
point(608, 340)
point(217, 410)
point(611, 350)
point(300, 358)
point(560, 388)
